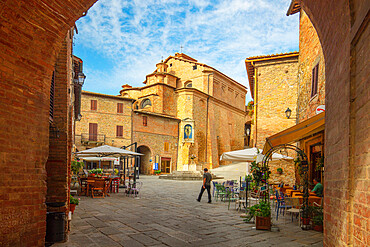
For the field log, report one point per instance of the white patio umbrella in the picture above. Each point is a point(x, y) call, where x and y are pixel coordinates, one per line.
point(249, 155)
point(104, 151)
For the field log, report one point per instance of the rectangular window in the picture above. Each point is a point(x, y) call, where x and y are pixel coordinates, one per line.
point(119, 107)
point(145, 120)
point(93, 132)
point(94, 105)
point(194, 67)
point(315, 79)
point(166, 146)
point(119, 131)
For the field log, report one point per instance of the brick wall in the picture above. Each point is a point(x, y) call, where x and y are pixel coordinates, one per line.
point(310, 54)
point(342, 33)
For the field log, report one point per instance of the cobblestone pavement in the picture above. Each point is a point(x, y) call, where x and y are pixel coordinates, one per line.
point(167, 214)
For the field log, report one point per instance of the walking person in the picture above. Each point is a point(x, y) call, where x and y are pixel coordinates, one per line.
point(207, 178)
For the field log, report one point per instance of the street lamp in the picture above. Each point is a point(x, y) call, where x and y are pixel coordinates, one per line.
point(288, 113)
point(80, 79)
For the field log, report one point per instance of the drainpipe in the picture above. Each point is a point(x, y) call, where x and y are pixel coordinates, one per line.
point(255, 103)
point(206, 158)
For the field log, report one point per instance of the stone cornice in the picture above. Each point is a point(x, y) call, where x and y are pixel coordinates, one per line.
point(107, 96)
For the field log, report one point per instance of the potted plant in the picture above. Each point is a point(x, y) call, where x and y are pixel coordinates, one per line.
point(262, 213)
point(157, 172)
point(318, 218)
point(318, 223)
point(76, 166)
point(72, 203)
point(279, 170)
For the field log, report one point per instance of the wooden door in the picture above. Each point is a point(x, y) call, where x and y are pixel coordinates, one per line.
point(93, 132)
point(165, 165)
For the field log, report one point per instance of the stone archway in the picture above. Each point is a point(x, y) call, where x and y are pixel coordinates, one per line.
point(145, 164)
point(31, 35)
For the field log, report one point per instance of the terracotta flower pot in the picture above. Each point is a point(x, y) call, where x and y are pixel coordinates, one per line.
point(263, 223)
point(305, 221)
point(72, 207)
point(318, 228)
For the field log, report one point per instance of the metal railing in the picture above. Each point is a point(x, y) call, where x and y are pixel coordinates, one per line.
point(87, 138)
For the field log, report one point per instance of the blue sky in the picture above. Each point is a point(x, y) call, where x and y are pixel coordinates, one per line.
point(121, 41)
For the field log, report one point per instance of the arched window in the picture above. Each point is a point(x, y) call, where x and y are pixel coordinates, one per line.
point(146, 102)
point(188, 84)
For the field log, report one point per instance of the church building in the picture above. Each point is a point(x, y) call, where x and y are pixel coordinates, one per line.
point(185, 116)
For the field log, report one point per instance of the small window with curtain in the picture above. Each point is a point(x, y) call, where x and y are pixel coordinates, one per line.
point(315, 79)
point(119, 131)
point(94, 105)
point(119, 107)
point(166, 146)
point(145, 120)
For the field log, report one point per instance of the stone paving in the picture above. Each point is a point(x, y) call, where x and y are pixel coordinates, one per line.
point(167, 214)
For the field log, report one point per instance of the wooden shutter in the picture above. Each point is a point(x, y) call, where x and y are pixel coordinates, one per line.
point(93, 132)
point(52, 91)
point(119, 131)
point(315, 78)
point(145, 120)
point(94, 105)
point(119, 107)
point(166, 146)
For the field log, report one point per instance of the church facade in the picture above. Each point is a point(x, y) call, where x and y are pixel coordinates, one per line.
point(185, 116)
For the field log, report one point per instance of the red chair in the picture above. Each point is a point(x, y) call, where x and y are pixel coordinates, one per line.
point(115, 185)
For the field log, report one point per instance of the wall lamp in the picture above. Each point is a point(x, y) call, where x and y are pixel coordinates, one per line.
point(288, 113)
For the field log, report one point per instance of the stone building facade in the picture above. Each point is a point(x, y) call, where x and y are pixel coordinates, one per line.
point(273, 84)
point(196, 113)
point(106, 119)
point(30, 45)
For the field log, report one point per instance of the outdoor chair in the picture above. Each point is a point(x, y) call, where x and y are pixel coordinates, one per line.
point(220, 192)
point(241, 200)
point(108, 182)
point(280, 205)
point(214, 188)
point(230, 196)
point(135, 188)
point(294, 207)
point(83, 186)
point(115, 185)
point(98, 190)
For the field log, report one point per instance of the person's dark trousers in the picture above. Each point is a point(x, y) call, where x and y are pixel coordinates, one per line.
point(208, 187)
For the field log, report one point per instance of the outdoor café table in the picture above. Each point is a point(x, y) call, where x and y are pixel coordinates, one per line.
point(290, 192)
point(90, 184)
point(311, 200)
point(296, 194)
point(283, 189)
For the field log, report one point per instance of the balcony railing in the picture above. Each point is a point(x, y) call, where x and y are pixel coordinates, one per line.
point(87, 138)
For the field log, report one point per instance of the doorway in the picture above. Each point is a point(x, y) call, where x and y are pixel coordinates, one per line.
point(145, 164)
point(165, 165)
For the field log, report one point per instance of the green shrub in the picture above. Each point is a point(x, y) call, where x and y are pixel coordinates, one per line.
point(73, 200)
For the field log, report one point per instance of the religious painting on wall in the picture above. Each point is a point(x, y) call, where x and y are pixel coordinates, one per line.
point(188, 132)
point(187, 127)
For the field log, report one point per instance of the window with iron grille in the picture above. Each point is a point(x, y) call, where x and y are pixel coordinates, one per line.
point(119, 107)
point(94, 105)
point(119, 131)
point(145, 120)
point(52, 92)
point(315, 79)
point(146, 102)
